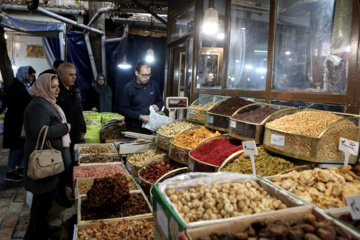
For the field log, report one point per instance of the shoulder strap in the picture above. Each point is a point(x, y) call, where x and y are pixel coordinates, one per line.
point(44, 137)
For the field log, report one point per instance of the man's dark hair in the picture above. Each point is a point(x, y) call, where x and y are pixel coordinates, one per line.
point(57, 63)
point(140, 64)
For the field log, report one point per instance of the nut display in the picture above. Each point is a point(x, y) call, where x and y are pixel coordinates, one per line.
point(154, 171)
point(265, 164)
point(110, 197)
point(255, 116)
point(96, 148)
point(308, 228)
point(113, 131)
point(140, 159)
point(349, 220)
point(100, 158)
point(222, 201)
point(325, 188)
point(99, 171)
point(307, 123)
point(167, 132)
point(131, 229)
point(229, 106)
point(198, 112)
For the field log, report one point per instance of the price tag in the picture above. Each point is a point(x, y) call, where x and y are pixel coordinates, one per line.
point(278, 140)
point(354, 206)
point(191, 165)
point(251, 150)
point(232, 124)
point(210, 119)
point(348, 147)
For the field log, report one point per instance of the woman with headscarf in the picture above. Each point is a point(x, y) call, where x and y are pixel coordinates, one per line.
point(99, 97)
point(41, 111)
point(16, 99)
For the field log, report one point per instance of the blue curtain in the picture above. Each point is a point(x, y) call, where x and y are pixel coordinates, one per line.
point(55, 46)
point(77, 54)
point(134, 47)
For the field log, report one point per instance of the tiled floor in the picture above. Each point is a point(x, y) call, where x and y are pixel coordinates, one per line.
point(15, 213)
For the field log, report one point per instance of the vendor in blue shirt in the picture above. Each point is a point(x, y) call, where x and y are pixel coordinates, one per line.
point(137, 96)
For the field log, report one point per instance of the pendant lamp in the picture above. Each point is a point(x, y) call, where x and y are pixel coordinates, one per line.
point(211, 19)
point(124, 64)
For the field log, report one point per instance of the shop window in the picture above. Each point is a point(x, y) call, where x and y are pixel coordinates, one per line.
point(249, 30)
point(312, 44)
point(183, 24)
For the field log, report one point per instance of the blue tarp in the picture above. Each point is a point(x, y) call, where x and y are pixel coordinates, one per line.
point(49, 30)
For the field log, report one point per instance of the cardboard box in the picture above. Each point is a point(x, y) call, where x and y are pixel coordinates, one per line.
point(87, 225)
point(240, 225)
point(148, 206)
point(169, 219)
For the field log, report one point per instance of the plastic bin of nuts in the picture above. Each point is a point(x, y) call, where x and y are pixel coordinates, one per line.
point(137, 160)
point(169, 131)
point(197, 111)
point(248, 122)
point(219, 114)
point(311, 135)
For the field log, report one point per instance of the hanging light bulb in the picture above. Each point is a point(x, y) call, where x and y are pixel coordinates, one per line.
point(149, 55)
point(211, 19)
point(124, 64)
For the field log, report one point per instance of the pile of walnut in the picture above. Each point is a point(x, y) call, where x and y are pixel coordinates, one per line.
point(100, 158)
point(96, 149)
point(132, 229)
point(222, 201)
point(308, 228)
point(109, 197)
point(325, 188)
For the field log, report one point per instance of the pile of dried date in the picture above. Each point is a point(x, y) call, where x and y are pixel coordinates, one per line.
point(110, 197)
point(154, 171)
point(306, 228)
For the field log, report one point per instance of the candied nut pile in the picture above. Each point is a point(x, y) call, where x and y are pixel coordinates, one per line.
point(100, 158)
point(265, 164)
point(325, 188)
point(97, 148)
point(99, 171)
point(140, 159)
point(192, 138)
point(131, 229)
point(222, 201)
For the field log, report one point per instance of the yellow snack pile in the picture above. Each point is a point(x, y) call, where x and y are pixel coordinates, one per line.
point(194, 137)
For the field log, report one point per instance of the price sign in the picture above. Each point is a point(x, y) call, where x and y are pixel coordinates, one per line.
point(278, 140)
point(210, 119)
point(348, 147)
point(251, 150)
point(354, 206)
point(232, 124)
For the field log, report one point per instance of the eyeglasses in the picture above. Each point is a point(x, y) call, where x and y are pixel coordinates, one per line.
point(145, 75)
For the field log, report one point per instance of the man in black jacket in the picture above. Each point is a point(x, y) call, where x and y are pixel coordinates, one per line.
point(69, 100)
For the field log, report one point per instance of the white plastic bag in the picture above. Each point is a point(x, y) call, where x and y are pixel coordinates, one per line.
point(29, 198)
point(155, 120)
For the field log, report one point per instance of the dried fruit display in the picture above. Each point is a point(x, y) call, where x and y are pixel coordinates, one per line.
point(222, 201)
point(99, 158)
point(255, 116)
point(154, 171)
point(192, 138)
point(96, 148)
point(167, 132)
point(229, 106)
point(110, 197)
point(308, 228)
point(99, 171)
point(349, 220)
point(131, 229)
point(84, 187)
point(325, 188)
point(265, 164)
